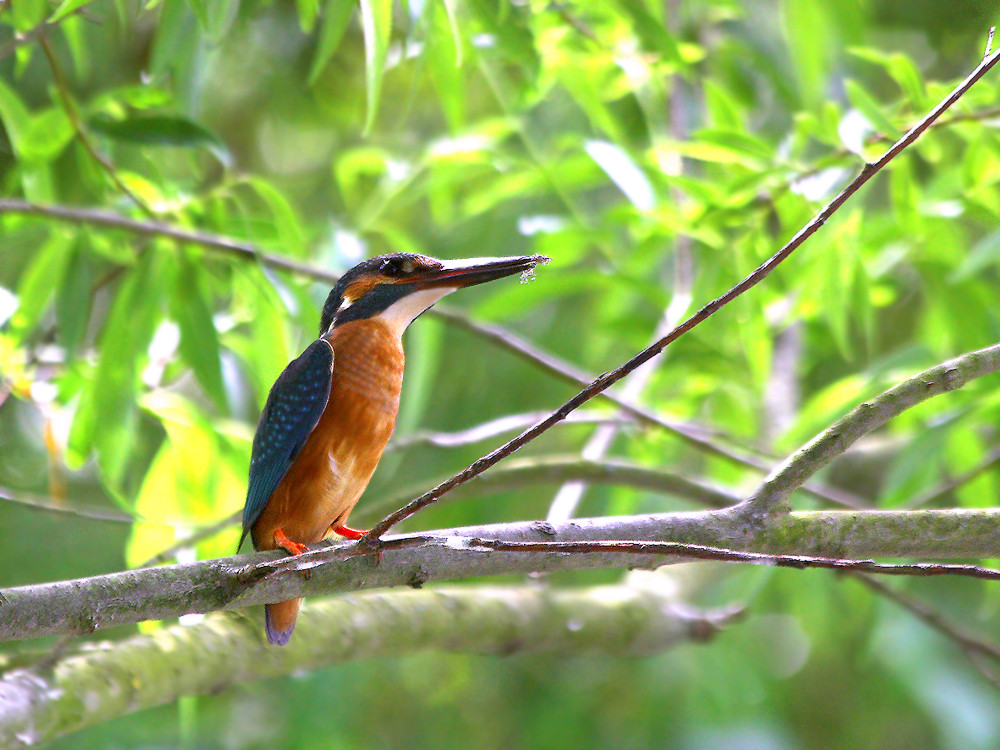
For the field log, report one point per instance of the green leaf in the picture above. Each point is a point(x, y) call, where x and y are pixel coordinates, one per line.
point(456, 37)
point(286, 222)
point(177, 42)
point(46, 136)
point(444, 61)
point(899, 67)
point(74, 300)
point(76, 40)
point(27, 14)
point(106, 417)
point(199, 343)
point(67, 7)
point(161, 130)
point(36, 285)
point(862, 101)
point(985, 253)
point(308, 13)
point(917, 466)
point(807, 28)
point(266, 347)
point(904, 192)
point(652, 34)
point(215, 16)
point(17, 120)
point(336, 16)
point(376, 23)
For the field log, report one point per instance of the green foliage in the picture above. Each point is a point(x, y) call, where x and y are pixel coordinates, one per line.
point(655, 151)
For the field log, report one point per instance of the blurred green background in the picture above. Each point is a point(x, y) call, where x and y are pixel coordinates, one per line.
point(657, 151)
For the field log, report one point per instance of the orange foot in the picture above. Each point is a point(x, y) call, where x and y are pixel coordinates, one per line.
point(348, 533)
point(292, 548)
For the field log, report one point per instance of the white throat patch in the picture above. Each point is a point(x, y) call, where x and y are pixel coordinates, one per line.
point(402, 312)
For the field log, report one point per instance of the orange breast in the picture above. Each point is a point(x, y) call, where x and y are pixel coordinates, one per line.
point(337, 461)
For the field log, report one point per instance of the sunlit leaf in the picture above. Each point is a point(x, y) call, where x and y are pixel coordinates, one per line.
point(27, 14)
point(161, 130)
point(106, 416)
point(215, 16)
point(36, 286)
point(199, 343)
point(899, 67)
point(336, 15)
point(376, 22)
point(66, 7)
point(309, 13)
point(871, 109)
point(73, 302)
point(807, 30)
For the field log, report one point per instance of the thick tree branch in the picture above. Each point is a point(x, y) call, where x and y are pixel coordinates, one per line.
point(95, 686)
point(89, 604)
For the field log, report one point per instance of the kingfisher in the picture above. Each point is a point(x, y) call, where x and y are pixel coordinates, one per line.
point(332, 410)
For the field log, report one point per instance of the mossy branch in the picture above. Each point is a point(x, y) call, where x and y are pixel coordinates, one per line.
point(94, 686)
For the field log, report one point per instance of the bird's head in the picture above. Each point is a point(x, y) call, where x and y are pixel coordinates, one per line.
point(400, 286)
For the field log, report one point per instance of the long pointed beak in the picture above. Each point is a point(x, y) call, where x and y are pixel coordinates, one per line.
point(472, 271)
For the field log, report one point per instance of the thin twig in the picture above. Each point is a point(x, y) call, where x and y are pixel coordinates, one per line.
point(20, 40)
point(690, 434)
point(945, 489)
point(694, 435)
point(156, 228)
point(952, 631)
point(81, 131)
point(830, 160)
point(36, 502)
point(700, 552)
point(371, 539)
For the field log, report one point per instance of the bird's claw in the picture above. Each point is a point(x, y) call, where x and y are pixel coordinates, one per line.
point(292, 548)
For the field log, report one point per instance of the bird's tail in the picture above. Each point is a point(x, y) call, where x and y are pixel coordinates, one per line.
point(279, 621)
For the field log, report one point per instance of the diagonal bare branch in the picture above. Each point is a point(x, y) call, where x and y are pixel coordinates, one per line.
point(370, 540)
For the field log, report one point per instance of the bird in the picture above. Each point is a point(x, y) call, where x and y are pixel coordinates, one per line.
point(330, 413)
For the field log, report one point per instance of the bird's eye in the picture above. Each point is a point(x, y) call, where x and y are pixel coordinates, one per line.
point(396, 268)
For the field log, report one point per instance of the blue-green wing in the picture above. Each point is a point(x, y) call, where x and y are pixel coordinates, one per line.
point(294, 406)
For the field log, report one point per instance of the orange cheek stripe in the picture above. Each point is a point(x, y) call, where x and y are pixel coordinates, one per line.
point(361, 287)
